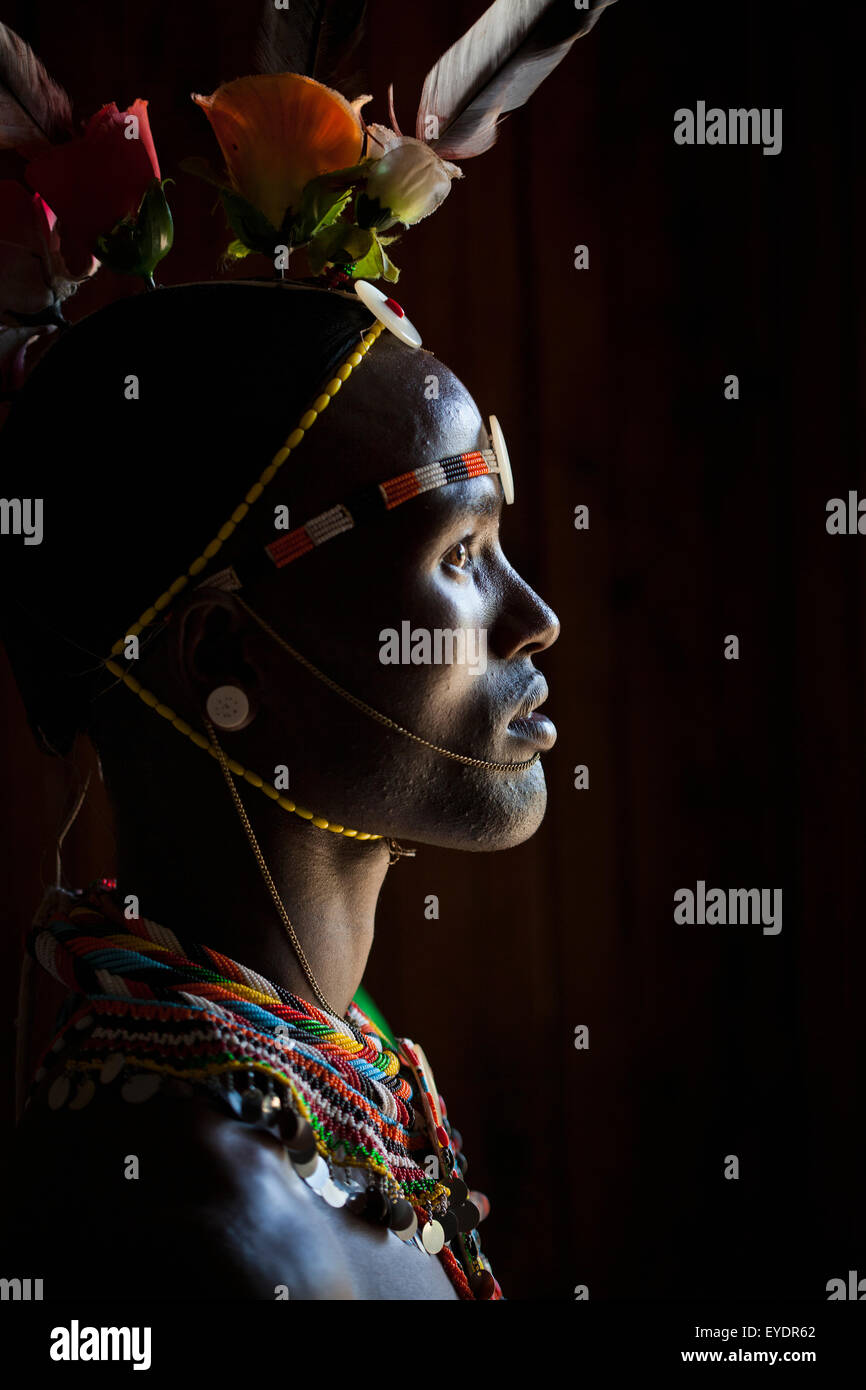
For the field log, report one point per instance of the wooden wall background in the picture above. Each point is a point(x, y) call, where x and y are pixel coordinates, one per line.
point(706, 518)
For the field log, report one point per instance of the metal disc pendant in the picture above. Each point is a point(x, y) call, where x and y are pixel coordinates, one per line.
point(433, 1237)
point(458, 1189)
point(407, 1232)
point(58, 1093)
point(141, 1088)
point(335, 1196)
point(315, 1173)
point(83, 1096)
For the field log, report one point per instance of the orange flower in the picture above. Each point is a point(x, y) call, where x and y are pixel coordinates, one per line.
point(278, 131)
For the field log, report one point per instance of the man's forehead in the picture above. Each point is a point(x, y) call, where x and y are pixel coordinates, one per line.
point(399, 411)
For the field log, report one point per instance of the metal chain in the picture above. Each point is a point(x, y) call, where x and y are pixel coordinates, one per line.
point(266, 874)
point(375, 714)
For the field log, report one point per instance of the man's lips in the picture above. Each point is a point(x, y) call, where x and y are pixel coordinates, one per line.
point(536, 728)
point(529, 723)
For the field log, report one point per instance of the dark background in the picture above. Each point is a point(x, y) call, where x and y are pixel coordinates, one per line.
point(707, 517)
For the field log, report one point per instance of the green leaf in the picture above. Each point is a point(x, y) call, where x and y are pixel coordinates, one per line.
point(235, 251)
point(372, 265)
point(320, 208)
point(249, 224)
point(135, 246)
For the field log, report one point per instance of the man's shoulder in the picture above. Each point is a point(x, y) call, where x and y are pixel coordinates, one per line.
point(208, 1206)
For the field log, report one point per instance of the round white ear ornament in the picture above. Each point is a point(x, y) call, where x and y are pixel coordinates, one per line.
point(228, 707)
point(497, 439)
point(389, 312)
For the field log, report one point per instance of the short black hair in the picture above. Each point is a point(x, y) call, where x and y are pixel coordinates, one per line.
point(133, 489)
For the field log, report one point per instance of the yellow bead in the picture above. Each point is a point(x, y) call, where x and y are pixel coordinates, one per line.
point(254, 493)
point(132, 683)
point(286, 804)
point(162, 602)
point(337, 829)
point(166, 712)
point(334, 386)
point(199, 739)
point(147, 617)
point(181, 726)
point(240, 512)
point(268, 473)
point(321, 403)
point(235, 766)
point(350, 832)
point(280, 456)
point(253, 778)
point(178, 584)
point(270, 791)
point(118, 648)
point(197, 565)
point(149, 699)
point(320, 822)
point(211, 550)
point(356, 359)
point(307, 815)
point(308, 420)
point(294, 439)
point(225, 531)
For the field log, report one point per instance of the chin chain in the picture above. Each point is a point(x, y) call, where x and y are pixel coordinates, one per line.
point(396, 851)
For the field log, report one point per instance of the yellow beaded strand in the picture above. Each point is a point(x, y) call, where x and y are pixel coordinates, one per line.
point(306, 422)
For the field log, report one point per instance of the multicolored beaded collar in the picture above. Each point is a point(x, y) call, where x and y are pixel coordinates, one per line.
point(147, 1012)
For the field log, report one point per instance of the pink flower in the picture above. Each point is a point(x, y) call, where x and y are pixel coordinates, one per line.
point(96, 180)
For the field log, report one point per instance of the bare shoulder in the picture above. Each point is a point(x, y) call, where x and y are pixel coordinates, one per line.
point(169, 1199)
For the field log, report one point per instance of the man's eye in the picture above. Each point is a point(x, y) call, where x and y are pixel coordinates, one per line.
point(458, 556)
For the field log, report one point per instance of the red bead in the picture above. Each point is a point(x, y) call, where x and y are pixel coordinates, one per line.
point(442, 1106)
point(393, 305)
point(442, 1137)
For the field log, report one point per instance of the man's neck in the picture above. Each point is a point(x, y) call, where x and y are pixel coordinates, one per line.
point(200, 878)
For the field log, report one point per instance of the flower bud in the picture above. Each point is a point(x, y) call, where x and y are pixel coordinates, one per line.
point(410, 180)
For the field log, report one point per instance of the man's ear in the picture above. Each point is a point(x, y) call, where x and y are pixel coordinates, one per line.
point(210, 632)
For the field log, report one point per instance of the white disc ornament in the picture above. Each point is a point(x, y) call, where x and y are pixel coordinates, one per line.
point(433, 1237)
point(228, 707)
point(389, 312)
point(497, 439)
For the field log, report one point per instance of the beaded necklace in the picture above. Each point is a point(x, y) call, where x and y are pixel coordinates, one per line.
point(147, 1012)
